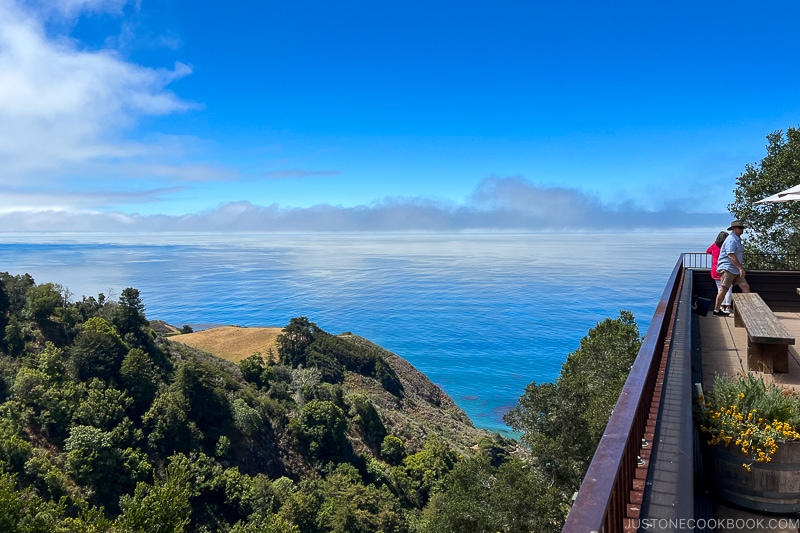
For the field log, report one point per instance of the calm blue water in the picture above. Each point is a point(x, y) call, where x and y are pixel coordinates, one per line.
point(482, 315)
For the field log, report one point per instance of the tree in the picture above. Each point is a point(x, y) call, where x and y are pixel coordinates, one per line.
point(562, 422)
point(89, 306)
point(246, 419)
point(25, 511)
point(423, 473)
point(294, 340)
point(69, 321)
point(44, 388)
point(97, 351)
point(302, 506)
point(93, 461)
point(202, 384)
point(5, 305)
point(322, 428)
point(350, 506)
point(254, 370)
point(41, 301)
point(103, 407)
point(47, 475)
point(14, 337)
point(16, 289)
point(772, 228)
point(15, 447)
point(393, 450)
point(159, 508)
point(481, 498)
point(168, 427)
point(129, 316)
point(363, 413)
point(139, 377)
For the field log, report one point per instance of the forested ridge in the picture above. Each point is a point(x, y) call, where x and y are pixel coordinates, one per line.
point(108, 425)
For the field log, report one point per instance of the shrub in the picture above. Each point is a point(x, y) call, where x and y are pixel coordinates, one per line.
point(253, 369)
point(322, 428)
point(393, 450)
point(363, 412)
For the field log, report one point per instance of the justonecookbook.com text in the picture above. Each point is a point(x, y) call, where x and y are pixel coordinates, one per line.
point(714, 524)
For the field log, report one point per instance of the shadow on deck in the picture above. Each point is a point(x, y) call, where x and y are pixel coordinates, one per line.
point(724, 351)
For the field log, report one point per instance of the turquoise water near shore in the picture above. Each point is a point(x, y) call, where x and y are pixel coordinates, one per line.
point(482, 315)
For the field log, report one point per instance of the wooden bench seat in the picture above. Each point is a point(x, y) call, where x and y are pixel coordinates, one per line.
point(768, 339)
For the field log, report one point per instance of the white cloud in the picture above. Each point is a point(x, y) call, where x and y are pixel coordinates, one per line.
point(68, 117)
point(62, 108)
point(300, 173)
point(515, 194)
point(25, 202)
point(493, 207)
point(72, 8)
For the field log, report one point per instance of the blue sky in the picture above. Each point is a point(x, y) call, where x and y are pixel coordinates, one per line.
point(305, 115)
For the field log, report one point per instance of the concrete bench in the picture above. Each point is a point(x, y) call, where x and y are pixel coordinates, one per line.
point(768, 339)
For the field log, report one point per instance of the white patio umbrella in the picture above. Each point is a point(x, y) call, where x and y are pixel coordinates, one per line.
point(792, 194)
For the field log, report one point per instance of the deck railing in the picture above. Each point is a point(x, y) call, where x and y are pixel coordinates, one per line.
point(601, 503)
point(697, 260)
point(759, 261)
point(752, 261)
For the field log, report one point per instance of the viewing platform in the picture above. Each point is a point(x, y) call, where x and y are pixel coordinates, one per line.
point(724, 351)
point(647, 473)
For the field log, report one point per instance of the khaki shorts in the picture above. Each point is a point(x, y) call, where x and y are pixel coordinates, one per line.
point(729, 279)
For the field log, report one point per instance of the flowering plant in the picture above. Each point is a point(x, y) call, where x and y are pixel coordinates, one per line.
point(747, 412)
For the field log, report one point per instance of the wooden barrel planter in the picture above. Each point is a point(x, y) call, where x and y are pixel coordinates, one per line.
point(772, 487)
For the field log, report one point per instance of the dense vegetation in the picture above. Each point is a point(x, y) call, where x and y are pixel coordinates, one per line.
point(107, 425)
point(772, 228)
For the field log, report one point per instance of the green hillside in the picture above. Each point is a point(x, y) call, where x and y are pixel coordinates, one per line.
point(107, 423)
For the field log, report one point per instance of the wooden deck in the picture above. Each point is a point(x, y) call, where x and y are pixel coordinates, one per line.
point(724, 351)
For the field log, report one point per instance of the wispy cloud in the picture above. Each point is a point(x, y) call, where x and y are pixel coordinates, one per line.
point(22, 202)
point(300, 173)
point(70, 149)
point(70, 8)
point(497, 204)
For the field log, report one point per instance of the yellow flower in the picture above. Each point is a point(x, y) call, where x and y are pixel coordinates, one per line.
point(758, 438)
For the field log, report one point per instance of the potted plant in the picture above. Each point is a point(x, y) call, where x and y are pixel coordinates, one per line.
point(753, 443)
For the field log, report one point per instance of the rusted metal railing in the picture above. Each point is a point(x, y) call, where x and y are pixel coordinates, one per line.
point(603, 497)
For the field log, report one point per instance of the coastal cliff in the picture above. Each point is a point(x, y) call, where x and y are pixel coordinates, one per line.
point(422, 408)
point(112, 422)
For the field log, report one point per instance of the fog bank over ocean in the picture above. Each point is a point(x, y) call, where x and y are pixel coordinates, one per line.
point(482, 314)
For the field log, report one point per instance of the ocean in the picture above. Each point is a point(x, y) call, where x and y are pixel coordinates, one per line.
point(481, 314)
